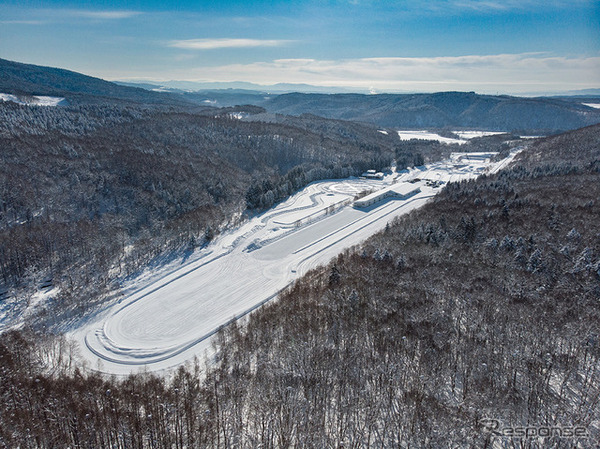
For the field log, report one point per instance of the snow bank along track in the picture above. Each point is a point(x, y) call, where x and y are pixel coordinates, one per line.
point(171, 320)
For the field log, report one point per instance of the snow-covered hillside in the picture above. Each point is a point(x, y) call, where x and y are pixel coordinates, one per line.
point(33, 100)
point(427, 135)
point(170, 320)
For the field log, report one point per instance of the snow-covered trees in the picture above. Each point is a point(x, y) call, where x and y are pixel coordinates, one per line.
point(415, 340)
point(73, 178)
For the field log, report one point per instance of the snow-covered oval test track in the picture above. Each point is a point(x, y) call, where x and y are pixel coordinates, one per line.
point(171, 320)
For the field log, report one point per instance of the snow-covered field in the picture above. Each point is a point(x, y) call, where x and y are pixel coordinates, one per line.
point(34, 100)
point(592, 105)
point(473, 134)
point(426, 135)
point(170, 320)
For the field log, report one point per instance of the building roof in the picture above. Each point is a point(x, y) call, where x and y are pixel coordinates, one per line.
point(401, 190)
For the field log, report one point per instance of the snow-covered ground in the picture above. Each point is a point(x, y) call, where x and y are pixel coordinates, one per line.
point(34, 100)
point(426, 135)
point(592, 105)
point(169, 320)
point(238, 115)
point(473, 134)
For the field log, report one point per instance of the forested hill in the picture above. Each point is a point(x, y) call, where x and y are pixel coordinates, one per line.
point(421, 111)
point(27, 79)
point(483, 305)
point(478, 312)
point(444, 109)
point(89, 194)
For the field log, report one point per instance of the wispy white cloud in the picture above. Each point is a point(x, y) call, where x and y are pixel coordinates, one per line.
point(55, 16)
point(505, 73)
point(488, 5)
point(22, 22)
point(212, 44)
point(101, 14)
point(491, 6)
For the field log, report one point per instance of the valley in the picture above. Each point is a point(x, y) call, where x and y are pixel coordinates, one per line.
point(252, 269)
point(170, 320)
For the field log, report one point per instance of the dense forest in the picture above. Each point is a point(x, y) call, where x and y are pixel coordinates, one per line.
point(91, 193)
point(482, 307)
point(468, 323)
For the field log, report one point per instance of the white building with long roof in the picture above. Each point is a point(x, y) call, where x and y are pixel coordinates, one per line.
point(400, 191)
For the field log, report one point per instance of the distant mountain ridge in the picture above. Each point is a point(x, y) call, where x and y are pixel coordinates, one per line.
point(279, 88)
point(440, 110)
point(28, 79)
point(542, 115)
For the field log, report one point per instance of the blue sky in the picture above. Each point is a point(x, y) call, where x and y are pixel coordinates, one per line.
point(489, 46)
